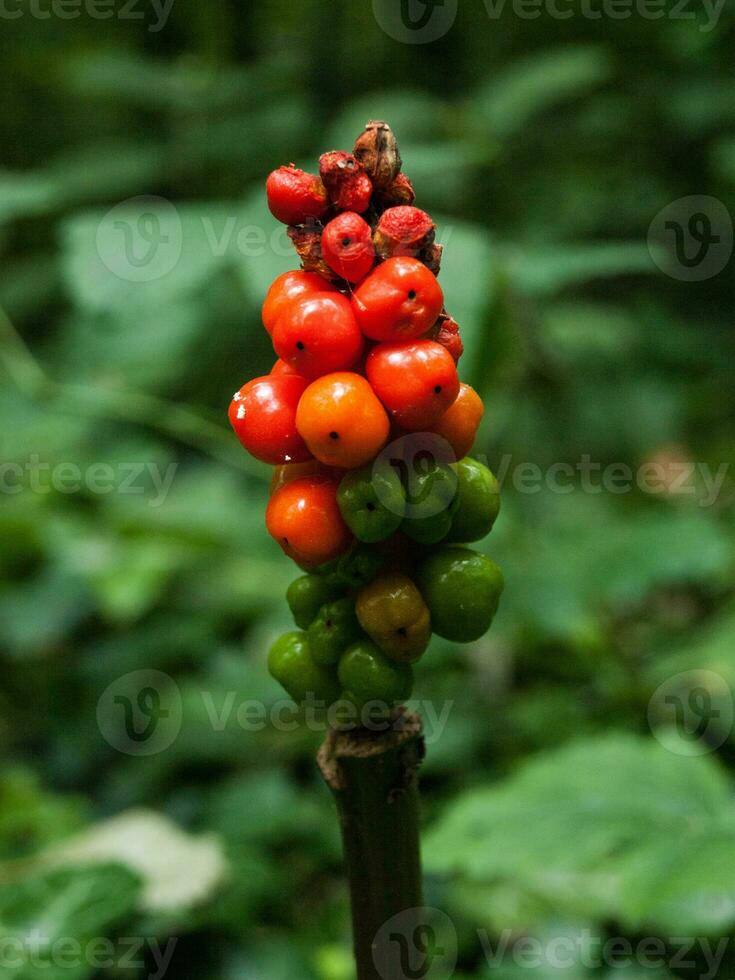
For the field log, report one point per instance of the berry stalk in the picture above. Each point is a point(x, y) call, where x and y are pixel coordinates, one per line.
point(373, 779)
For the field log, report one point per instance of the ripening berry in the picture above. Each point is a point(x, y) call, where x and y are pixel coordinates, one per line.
point(289, 287)
point(294, 196)
point(460, 422)
point(318, 334)
point(341, 420)
point(304, 518)
point(263, 415)
point(399, 300)
point(416, 380)
point(347, 246)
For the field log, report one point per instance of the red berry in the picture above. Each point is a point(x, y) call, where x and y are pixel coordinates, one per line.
point(417, 381)
point(348, 186)
point(403, 231)
point(318, 334)
point(304, 518)
point(280, 368)
point(288, 287)
point(347, 246)
point(295, 196)
point(399, 300)
point(263, 415)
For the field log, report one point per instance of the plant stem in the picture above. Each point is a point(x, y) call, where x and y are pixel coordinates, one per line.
point(373, 778)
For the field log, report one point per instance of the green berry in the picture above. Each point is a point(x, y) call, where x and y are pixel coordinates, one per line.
point(366, 674)
point(306, 595)
point(462, 589)
point(355, 569)
point(432, 505)
point(478, 501)
point(371, 501)
point(292, 665)
point(333, 630)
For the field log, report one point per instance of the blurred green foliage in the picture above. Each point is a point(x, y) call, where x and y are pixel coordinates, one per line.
point(544, 148)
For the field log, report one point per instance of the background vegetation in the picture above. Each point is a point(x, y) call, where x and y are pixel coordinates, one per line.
point(544, 148)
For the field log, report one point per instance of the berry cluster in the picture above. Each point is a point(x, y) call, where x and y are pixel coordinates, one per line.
point(369, 428)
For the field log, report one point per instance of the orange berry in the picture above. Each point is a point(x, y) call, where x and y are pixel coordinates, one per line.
point(304, 518)
point(460, 422)
point(341, 420)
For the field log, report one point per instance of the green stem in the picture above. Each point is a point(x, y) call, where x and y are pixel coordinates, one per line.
point(372, 776)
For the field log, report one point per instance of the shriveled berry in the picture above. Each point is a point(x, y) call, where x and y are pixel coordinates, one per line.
point(304, 518)
point(347, 246)
point(295, 196)
point(348, 186)
point(399, 300)
point(447, 334)
point(263, 415)
point(399, 192)
point(403, 230)
point(286, 289)
point(307, 240)
point(341, 420)
point(377, 151)
point(318, 334)
point(416, 380)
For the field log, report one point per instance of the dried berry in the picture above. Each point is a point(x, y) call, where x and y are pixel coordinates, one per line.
point(446, 333)
point(399, 192)
point(377, 150)
point(307, 240)
point(431, 256)
point(347, 184)
point(403, 230)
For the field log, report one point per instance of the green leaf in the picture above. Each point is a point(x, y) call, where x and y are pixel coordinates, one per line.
point(69, 904)
point(624, 797)
point(506, 103)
